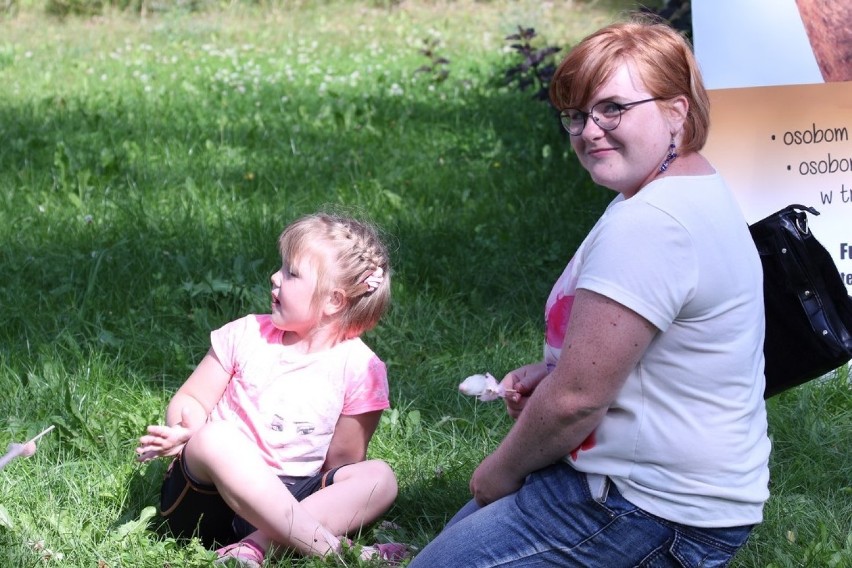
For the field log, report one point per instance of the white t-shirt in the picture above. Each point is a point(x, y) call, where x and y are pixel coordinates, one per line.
point(287, 403)
point(685, 439)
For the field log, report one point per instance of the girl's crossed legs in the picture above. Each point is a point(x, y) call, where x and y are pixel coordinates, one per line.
point(218, 454)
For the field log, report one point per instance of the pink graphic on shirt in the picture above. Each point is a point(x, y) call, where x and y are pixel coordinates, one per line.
point(557, 321)
point(587, 444)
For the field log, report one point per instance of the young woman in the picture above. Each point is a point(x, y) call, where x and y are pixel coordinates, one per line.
point(641, 437)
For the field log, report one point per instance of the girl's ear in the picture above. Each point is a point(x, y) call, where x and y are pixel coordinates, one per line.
point(335, 302)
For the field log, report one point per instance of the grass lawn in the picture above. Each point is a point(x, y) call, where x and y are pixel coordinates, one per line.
point(146, 169)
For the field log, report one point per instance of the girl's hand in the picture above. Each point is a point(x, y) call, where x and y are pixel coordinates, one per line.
point(523, 382)
point(164, 441)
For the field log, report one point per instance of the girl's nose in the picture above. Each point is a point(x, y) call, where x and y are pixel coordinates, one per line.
point(276, 278)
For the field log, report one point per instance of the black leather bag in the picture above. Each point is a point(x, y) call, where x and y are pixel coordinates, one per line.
point(808, 310)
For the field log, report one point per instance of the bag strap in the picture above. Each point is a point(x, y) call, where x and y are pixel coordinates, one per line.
point(810, 210)
point(801, 221)
point(794, 214)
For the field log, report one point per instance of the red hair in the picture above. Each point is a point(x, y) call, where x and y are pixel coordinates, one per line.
point(663, 58)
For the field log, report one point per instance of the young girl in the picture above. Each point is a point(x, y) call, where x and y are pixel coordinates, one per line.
point(270, 431)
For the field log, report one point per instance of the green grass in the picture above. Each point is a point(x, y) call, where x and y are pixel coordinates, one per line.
point(146, 169)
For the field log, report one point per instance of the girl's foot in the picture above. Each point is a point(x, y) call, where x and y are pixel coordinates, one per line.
point(392, 552)
point(244, 554)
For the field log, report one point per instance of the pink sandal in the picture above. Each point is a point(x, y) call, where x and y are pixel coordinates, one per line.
point(392, 552)
point(244, 554)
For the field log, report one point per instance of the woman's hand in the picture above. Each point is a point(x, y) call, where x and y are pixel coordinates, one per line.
point(523, 382)
point(162, 441)
point(491, 482)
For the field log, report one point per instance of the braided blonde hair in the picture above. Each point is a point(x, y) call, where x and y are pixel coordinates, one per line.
point(349, 250)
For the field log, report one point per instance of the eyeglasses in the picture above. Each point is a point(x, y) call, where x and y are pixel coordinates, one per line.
point(606, 114)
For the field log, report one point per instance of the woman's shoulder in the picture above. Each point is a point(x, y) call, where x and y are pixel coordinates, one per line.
point(692, 164)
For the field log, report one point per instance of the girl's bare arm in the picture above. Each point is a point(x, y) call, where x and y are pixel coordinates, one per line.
point(351, 437)
point(187, 411)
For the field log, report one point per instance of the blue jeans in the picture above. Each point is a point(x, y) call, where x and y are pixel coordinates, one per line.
point(554, 521)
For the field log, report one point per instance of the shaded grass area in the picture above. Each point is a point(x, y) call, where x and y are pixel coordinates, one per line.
point(146, 170)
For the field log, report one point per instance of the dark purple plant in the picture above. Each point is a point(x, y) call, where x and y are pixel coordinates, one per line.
point(438, 66)
point(536, 66)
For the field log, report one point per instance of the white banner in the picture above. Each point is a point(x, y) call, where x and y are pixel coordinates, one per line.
point(780, 79)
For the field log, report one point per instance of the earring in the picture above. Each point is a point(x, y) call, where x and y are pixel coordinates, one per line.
point(669, 158)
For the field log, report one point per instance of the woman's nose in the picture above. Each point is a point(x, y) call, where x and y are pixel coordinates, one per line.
point(592, 130)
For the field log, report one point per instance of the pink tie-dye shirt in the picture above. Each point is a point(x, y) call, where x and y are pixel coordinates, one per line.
point(287, 403)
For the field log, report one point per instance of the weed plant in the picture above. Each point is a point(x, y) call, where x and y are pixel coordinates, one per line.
point(146, 169)
point(536, 66)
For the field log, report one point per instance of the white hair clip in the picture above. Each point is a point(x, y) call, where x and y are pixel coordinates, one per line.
point(374, 278)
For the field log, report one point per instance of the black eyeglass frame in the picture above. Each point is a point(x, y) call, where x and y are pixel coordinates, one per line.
point(622, 108)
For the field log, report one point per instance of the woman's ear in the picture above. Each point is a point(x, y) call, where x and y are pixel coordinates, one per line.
point(678, 109)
